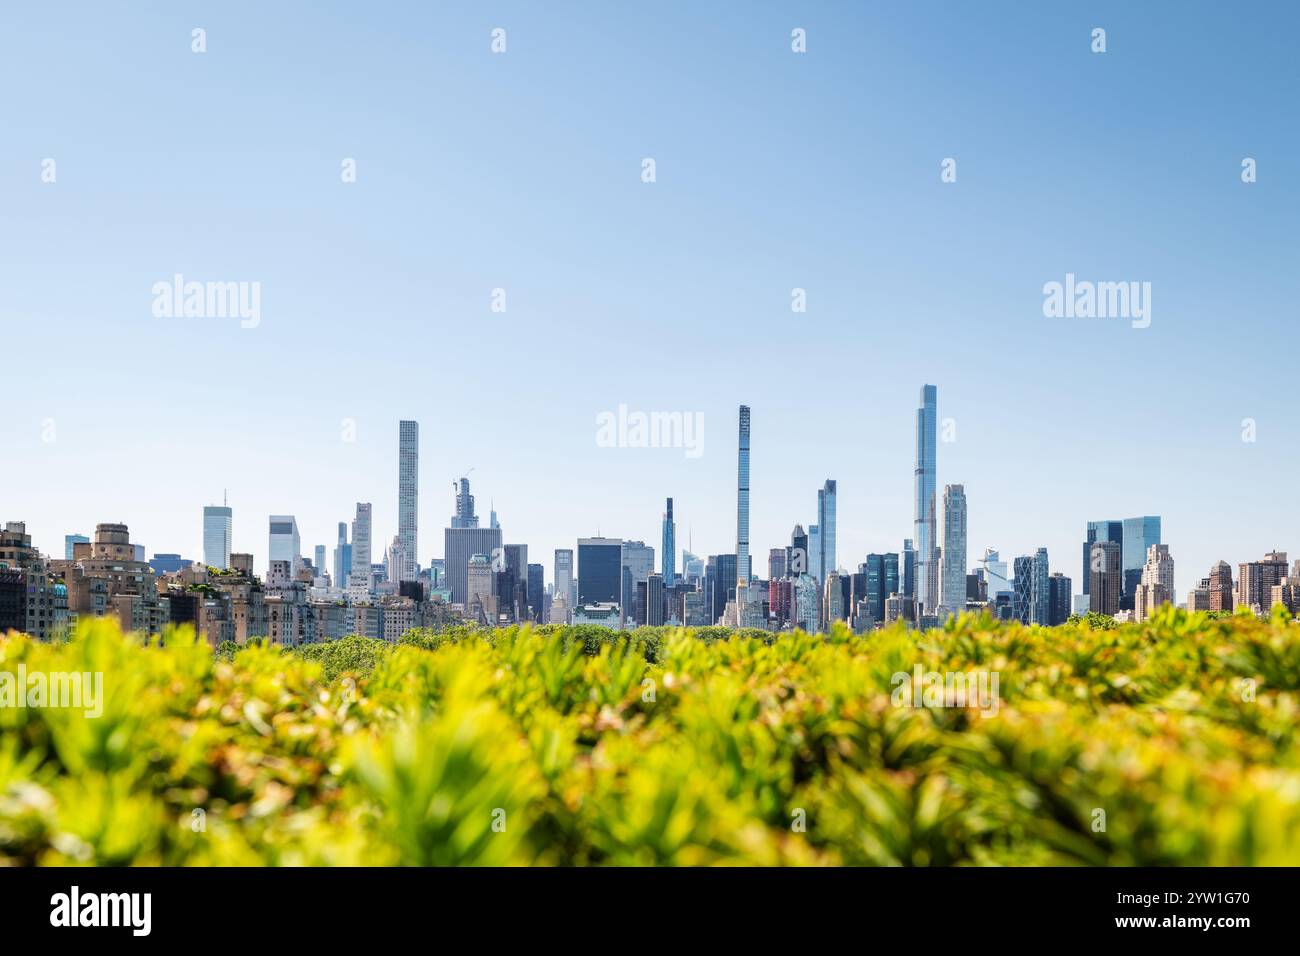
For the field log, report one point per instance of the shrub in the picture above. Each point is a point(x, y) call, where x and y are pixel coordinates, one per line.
point(1170, 742)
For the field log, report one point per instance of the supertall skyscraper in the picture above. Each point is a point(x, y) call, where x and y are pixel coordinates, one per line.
point(217, 526)
point(408, 481)
point(927, 548)
point(826, 560)
point(742, 500)
point(952, 596)
point(668, 559)
point(464, 516)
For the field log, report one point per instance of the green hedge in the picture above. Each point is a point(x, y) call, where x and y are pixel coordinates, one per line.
point(1168, 742)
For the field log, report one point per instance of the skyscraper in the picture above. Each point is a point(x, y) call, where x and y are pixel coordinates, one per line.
point(908, 589)
point(408, 481)
point(537, 593)
point(464, 516)
point(1107, 584)
point(742, 499)
point(1139, 535)
point(815, 553)
point(564, 580)
point(479, 589)
point(217, 527)
point(512, 581)
point(654, 600)
point(1023, 585)
point(1099, 531)
point(319, 561)
point(395, 560)
point(832, 600)
point(692, 567)
point(69, 540)
point(876, 587)
point(359, 575)
point(927, 558)
point(807, 603)
point(891, 575)
point(638, 563)
point(776, 563)
point(720, 584)
point(463, 539)
point(284, 544)
point(995, 574)
point(600, 571)
point(460, 544)
point(1256, 579)
point(1157, 584)
point(1058, 598)
point(668, 558)
point(1040, 595)
point(1221, 587)
point(798, 561)
point(342, 557)
point(952, 596)
point(826, 529)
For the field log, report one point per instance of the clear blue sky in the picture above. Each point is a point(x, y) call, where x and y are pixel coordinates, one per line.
point(774, 171)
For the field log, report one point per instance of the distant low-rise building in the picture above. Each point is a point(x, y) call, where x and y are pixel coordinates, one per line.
point(605, 613)
point(44, 595)
point(109, 576)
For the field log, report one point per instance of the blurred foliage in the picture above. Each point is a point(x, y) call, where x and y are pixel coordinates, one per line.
point(664, 746)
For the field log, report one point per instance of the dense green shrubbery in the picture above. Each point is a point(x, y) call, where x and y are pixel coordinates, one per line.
point(576, 745)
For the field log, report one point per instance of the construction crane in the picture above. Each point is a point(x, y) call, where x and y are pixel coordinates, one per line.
point(455, 482)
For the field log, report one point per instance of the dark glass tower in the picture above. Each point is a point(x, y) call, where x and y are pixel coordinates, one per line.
point(600, 571)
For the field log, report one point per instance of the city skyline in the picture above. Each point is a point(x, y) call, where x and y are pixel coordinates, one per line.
point(775, 172)
point(1132, 536)
point(1134, 541)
